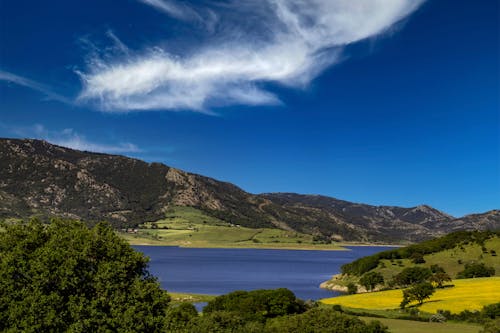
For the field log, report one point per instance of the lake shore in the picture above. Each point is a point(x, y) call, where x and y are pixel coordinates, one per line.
point(143, 241)
point(134, 239)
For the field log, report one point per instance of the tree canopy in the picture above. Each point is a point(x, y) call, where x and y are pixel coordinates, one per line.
point(371, 279)
point(65, 277)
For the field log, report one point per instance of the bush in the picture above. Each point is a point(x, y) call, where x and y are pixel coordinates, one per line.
point(491, 326)
point(437, 318)
point(322, 320)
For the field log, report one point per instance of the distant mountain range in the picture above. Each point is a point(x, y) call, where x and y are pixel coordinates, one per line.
point(41, 179)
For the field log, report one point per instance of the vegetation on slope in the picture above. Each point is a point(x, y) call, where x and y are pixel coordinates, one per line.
point(415, 252)
point(190, 227)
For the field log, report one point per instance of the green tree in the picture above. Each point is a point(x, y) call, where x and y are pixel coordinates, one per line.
point(412, 275)
point(258, 304)
point(179, 317)
point(419, 293)
point(476, 270)
point(225, 322)
point(352, 288)
point(439, 279)
point(371, 279)
point(65, 277)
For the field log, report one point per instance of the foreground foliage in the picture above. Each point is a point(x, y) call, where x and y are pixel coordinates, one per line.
point(65, 277)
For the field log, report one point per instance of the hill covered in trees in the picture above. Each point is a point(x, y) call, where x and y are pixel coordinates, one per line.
point(461, 254)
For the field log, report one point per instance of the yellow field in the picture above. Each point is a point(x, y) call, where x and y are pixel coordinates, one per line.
point(467, 294)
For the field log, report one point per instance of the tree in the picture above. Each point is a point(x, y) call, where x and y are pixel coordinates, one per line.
point(419, 293)
point(435, 268)
point(66, 277)
point(371, 279)
point(179, 316)
point(417, 258)
point(412, 275)
point(476, 270)
point(439, 279)
point(352, 288)
point(258, 304)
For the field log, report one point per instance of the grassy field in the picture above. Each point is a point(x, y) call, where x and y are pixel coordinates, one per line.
point(467, 294)
point(409, 326)
point(189, 227)
point(190, 298)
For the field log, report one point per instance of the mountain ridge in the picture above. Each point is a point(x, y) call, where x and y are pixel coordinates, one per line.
point(127, 191)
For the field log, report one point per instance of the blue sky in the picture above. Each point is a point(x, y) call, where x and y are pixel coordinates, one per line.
point(392, 102)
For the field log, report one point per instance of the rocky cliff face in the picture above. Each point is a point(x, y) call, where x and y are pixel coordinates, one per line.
point(38, 178)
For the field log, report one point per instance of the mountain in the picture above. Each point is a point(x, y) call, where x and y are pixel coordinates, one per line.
point(39, 178)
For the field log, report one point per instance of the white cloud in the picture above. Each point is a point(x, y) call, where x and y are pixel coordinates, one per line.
point(288, 42)
point(175, 9)
point(71, 139)
point(25, 82)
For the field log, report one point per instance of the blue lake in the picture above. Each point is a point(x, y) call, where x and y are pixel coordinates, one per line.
point(219, 271)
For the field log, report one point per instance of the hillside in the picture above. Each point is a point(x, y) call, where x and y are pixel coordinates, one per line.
point(453, 253)
point(39, 178)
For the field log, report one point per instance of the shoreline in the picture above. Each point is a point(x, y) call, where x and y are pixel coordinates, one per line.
point(343, 246)
point(257, 247)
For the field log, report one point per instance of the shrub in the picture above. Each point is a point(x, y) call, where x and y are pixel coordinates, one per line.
point(437, 318)
point(322, 320)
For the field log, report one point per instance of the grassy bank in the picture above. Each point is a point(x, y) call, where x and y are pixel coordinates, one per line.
point(190, 298)
point(189, 227)
point(467, 294)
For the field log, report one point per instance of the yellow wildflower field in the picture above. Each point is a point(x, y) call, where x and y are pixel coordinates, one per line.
point(467, 294)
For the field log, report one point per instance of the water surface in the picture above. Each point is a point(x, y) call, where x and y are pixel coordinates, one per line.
point(219, 271)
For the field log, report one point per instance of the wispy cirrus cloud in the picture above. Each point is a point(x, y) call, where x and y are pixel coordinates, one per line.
point(28, 83)
point(68, 137)
point(286, 42)
point(174, 9)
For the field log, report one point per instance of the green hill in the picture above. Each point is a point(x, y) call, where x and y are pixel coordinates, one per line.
point(191, 227)
point(453, 253)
